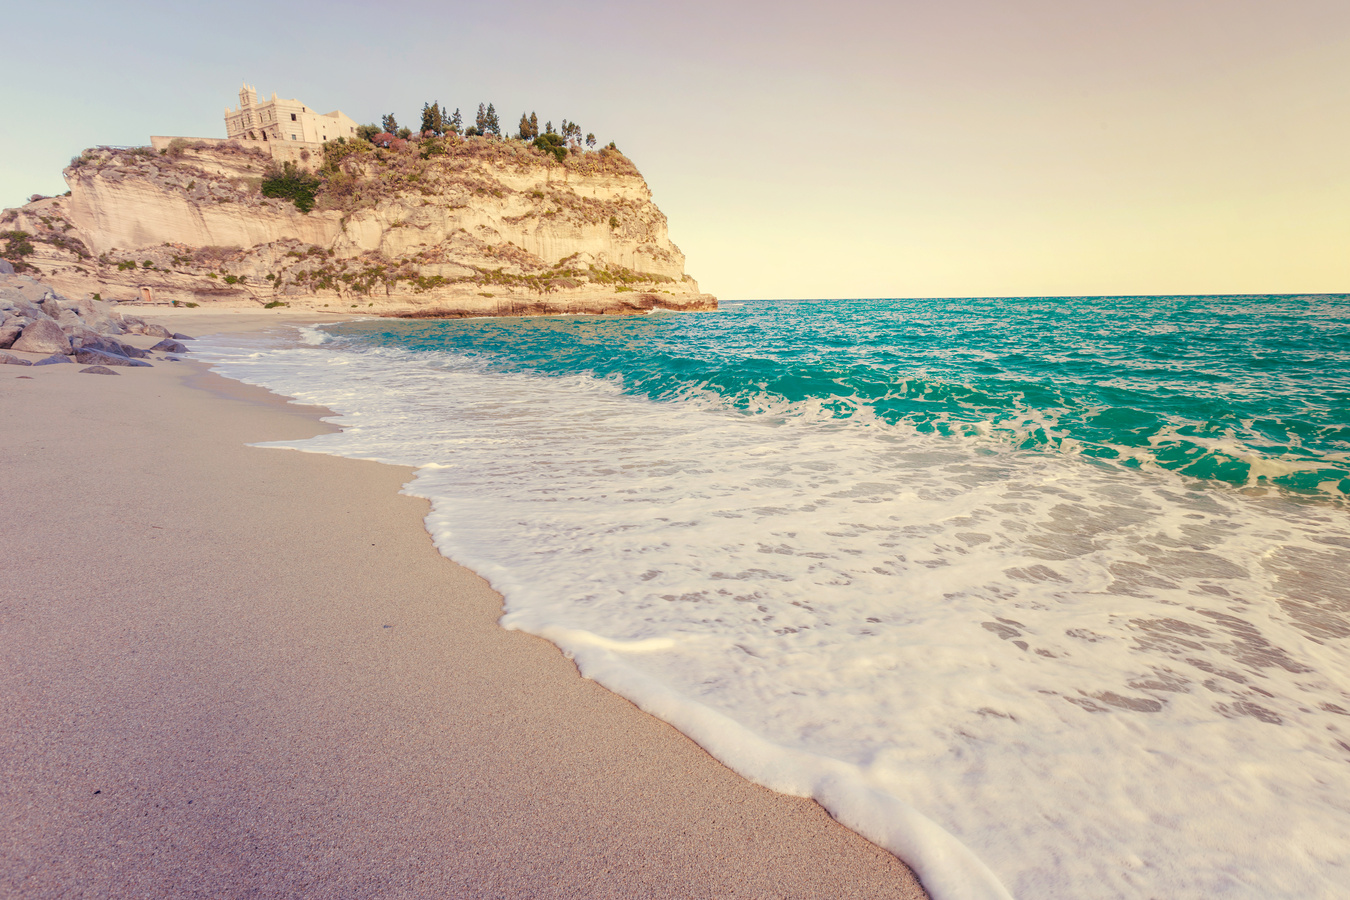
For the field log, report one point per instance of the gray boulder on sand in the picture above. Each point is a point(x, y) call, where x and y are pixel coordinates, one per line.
point(108, 345)
point(90, 356)
point(182, 337)
point(43, 336)
point(158, 331)
point(97, 370)
point(9, 334)
point(52, 360)
point(6, 268)
point(9, 359)
point(98, 315)
point(168, 346)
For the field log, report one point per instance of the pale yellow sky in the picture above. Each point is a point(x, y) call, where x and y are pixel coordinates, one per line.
point(853, 148)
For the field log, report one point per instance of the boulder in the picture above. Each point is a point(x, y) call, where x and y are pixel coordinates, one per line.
point(182, 337)
point(6, 267)
point(52, 307)
point(43, 336)
point(52, 360)
point(23, 290)
point(158, 331)
point(98, 315)
point(168, 346)
point(9, 359)
point(69, 319)
point(89, 356)
point(30, 311)
point(9, 334)
point(133, 324)
point(94, 341)
point(97, 370)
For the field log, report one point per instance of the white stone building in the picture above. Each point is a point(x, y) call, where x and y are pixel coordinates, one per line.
point(283, 120)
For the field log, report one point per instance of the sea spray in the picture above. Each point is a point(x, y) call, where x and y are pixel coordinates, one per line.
point(1057, 578)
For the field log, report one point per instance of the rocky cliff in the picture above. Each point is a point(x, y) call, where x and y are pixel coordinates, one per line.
point(446, 226)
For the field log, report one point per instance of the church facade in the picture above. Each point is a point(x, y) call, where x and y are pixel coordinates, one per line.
point(284, 120)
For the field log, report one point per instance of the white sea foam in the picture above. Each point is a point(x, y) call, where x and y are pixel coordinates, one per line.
point(1096, 682)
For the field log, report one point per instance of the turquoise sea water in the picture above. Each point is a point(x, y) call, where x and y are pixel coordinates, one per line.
point(1048, 596)
point(1244, 390)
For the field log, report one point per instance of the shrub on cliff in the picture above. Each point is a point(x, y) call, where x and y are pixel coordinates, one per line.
point(334, 152)
point(552, 143)
point(290, 183)
point(17, 246)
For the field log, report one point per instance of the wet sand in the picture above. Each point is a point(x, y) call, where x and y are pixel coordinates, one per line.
point(232, 671)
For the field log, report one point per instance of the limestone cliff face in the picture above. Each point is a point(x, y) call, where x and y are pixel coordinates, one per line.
point(448, 226)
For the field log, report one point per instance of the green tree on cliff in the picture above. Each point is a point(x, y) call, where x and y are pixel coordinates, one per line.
point(529, 127)
point(456, 122)
point(432, 120)
point(390, 123)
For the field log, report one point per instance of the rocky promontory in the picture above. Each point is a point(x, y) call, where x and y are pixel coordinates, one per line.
point(445, 226)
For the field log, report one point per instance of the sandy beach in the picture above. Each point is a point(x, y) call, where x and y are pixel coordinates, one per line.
point(233, 671)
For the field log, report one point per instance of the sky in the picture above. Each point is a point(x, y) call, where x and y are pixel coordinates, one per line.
point(831, 150)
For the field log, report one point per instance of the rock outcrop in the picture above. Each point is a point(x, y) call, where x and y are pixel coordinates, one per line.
point(43, 321)
point(445, 226)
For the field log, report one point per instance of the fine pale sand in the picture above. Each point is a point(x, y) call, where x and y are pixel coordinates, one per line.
point(231, 671)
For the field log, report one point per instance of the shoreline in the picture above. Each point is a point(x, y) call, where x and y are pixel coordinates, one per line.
point(202, 638)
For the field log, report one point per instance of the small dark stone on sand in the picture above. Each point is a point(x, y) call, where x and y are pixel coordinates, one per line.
point(97, 370)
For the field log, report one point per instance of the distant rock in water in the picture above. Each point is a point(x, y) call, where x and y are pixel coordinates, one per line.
point(445, 226)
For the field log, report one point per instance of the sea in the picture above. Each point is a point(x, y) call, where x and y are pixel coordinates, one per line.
point(1048, 596)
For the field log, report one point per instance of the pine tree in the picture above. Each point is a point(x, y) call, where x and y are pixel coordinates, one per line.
point(524, 133)
point(389, 123)
point(534, 125)
point(590, 141)
point(481, 121)
point(493, 126)
point(456, 121)
point(433, 122)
